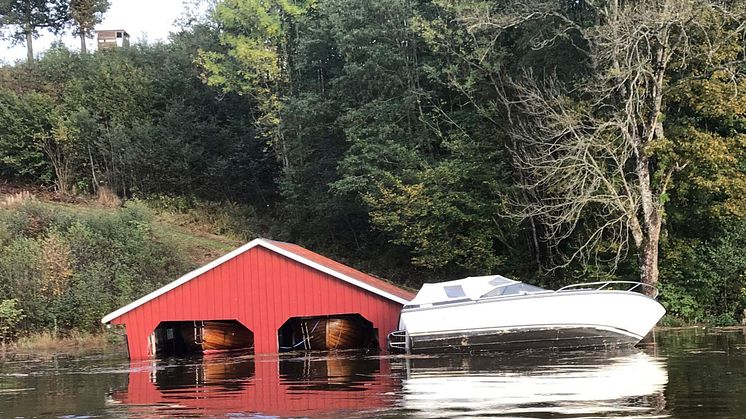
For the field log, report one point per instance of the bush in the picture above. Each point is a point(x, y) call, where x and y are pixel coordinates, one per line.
point(706, 281)
point(69, 269)
point(10, 315)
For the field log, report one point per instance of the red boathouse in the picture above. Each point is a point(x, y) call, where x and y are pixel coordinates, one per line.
point(262, 286)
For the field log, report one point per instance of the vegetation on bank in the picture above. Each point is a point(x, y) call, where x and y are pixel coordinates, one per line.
point(63, 266)
point(70, 342)
point(416, 141)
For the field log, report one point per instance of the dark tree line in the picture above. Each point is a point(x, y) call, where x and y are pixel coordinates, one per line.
point(424, 140)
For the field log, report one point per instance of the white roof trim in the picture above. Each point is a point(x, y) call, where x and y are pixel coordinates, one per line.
point(256, 242)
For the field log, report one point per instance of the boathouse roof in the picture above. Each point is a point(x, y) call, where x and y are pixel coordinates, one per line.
point(291, 251)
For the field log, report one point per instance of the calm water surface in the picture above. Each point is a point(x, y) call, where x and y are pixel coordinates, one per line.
point(690, 373)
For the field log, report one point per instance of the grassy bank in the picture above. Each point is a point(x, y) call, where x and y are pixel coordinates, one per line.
point(65, 264)
point(72, 342)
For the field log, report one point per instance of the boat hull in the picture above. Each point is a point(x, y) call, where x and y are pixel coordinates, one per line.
point(564, 320)
point(512, 339)
point(329, 333)
point(223, 336)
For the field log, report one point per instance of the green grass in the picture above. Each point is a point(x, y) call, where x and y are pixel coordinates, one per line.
point(74, 341)
point(193, 235)
point(201, 247)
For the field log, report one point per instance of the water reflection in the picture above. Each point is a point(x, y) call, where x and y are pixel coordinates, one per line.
point(535, 384)
point(567, 384)
point(309, 385)
point(703, 373)
point(219, 375)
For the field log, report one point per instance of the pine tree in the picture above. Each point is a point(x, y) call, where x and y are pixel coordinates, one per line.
point(24, 18)
point(85, 14)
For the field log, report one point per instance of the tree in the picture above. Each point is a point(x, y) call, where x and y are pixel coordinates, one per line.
point(594, 151)
point(85, 14)
point(25, 120)
point(26, 17)
point(258, 37)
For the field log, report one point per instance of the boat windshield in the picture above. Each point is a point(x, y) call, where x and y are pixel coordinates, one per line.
point(513, 289)
point(472, 288)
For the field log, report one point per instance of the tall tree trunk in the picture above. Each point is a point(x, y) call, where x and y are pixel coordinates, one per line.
point(649, 262)
point(82, 43)
point(651, 217)
point(29, 46)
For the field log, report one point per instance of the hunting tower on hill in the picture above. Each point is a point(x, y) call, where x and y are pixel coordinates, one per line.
point(112, 38)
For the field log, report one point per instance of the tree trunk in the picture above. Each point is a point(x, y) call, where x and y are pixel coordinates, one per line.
point(82, 43)
point(29, 47)
point(651, 217)
point(649, 262)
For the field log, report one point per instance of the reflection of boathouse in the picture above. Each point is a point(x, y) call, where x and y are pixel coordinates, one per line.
point(239, 386)
point(265, 296)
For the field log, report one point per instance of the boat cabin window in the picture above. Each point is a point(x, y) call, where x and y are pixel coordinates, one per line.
point(513, 289)
point(454, 291)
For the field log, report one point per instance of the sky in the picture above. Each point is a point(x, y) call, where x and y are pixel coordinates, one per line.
point(150, 19)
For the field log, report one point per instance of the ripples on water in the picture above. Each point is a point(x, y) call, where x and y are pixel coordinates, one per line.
point(686, 374)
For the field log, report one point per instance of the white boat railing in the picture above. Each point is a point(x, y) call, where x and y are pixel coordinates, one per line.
point(602, 285)
point(398, 340)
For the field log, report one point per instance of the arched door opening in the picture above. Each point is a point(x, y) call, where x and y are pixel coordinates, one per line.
point(327, 333)
point(200, 337)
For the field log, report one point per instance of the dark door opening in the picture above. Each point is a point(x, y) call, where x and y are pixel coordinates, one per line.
point(200, 337)
point(332, 373)
point(327, 333)
point(212, 376)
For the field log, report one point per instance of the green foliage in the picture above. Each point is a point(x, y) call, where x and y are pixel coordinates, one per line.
point(255, 60)
point(22, 19)
point(222, 218)
point(10, 316)
point(371, 131)
point(26, 120)
point(74, 269)
point(136, 120)
point(86, 14)
point(443, 214)
point(706, 281)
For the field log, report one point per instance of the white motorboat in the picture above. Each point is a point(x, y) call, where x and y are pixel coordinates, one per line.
point(497, 313)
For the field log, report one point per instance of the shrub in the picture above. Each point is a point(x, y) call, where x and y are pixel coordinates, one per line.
point(69, 269)
point(10, 316)
point(705, 281)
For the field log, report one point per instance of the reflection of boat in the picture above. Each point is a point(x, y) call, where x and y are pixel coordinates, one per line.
point(493, 312)
point(328, 333)
point(621, 385)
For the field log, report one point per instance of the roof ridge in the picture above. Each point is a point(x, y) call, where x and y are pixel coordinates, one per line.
point(275, 246)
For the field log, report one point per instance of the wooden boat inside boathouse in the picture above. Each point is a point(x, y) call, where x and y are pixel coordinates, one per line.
point(264, 297)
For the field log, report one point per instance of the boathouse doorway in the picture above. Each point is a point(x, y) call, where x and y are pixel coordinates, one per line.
point(200, 337)
point(327, 333)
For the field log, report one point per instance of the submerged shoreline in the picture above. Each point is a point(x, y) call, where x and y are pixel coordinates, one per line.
point(44, 343)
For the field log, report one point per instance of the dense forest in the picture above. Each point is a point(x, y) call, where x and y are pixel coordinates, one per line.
point(549, 140)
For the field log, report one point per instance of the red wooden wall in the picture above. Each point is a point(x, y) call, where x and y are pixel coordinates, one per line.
point(261, 289)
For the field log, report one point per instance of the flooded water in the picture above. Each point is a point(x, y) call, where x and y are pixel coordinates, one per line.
point(689, 373)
